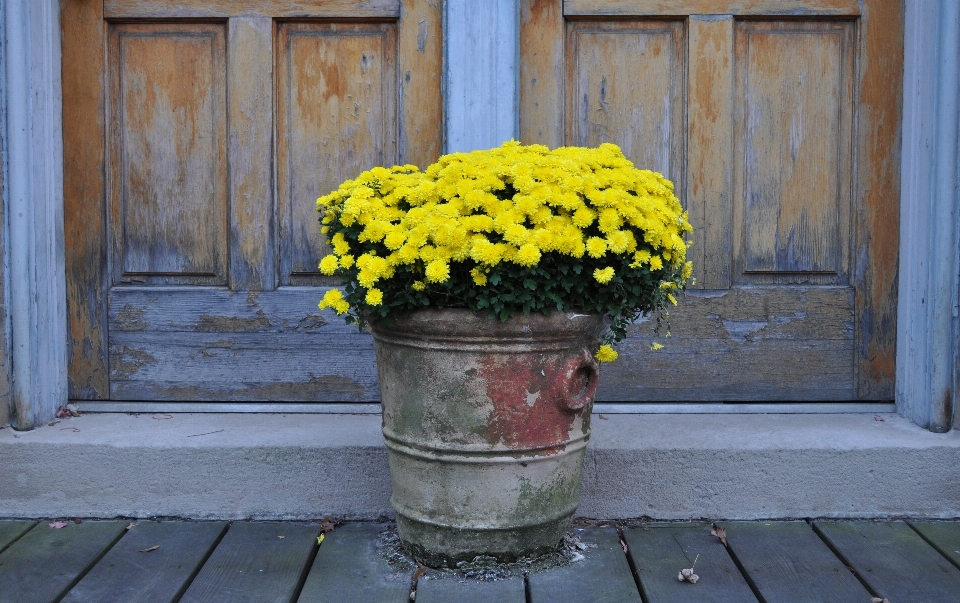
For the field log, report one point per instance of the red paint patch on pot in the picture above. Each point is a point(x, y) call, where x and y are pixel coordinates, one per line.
point(537, 403)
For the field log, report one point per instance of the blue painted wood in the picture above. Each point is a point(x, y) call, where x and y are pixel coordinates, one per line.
point(943, 535)
point(349, 569)
point(481, 73)
point(471, 591)
point(895, 561)
point(132, 572)
point(11, 530)
point(604, 576)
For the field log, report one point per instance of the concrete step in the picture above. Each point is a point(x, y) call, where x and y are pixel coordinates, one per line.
point(305, 466)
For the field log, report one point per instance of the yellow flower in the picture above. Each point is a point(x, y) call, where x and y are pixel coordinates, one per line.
point(418, 286)
point(687, 270)
point(374, 297)
point(673, 300)
point(479, 276)
point(596, 247)
point(603, 275)
point(527, 255)
point(438, 271)
point(333, 299)
point(606, 354)
point(329, 264)
point(656, 346)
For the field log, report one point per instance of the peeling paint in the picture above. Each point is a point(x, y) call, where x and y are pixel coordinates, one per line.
point(230, 324)
point(130, 318)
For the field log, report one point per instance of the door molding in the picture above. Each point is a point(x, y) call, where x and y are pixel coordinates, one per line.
point(33, 198)
point(927, 331)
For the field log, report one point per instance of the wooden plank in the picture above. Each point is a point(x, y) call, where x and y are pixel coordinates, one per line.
point(603, 576)
point(83, 82)
point(788, 563)
point(942, 535)
point(794, 168)
point(156, 309)
point(127, 573)
point(6, 337)
point(894, 560)
point(541, 72)
point(168, 194)
point(337, 115)
point(349, 569)
point(243, 366)
point(510, 590)
point(878, 158)
point(12, 530)
point(709, 198)
point(255, 562)
point(675, 8)
point(420, 102)
point(153, 9)
point(607, 101)
point(659, 553)
point(45, 563)
point(250, 132)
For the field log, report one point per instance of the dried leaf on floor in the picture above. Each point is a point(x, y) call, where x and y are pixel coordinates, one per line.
point(421, 570)
point(151, 549)
point(328, 525)
point(78, 521)
point(879, 600)
point(720, 533)
point(320, 538)
point(623, 545)
point(57, 525)
point(132, 524)
point(687, 575)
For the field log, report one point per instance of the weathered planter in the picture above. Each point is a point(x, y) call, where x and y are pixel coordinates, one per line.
point(486, 423)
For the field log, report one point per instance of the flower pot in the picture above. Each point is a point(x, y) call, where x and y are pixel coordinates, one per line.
point(485, 424)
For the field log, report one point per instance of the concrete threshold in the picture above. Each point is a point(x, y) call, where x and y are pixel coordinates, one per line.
point(301, 466)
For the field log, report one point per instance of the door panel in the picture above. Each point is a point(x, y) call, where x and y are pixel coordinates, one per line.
point(759, 112)
point(217, 126)
point(167, 154)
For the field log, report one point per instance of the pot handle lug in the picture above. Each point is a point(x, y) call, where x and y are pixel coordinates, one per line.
point(582, 376)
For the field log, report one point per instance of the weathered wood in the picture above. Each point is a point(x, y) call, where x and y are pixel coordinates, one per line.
point(243, 366)
point(672, 8)
point(625, 85)
point(660, 552)
point(262, 562)
point(349, 569)
point(709, 198)
point(250, 73)
point(208, 310)
point(127, 573)
point(337, 116)
point(794, 168)
point(604, 576)
point(788, 563)
point(541, 72)
point(168, 193)
point(45, 563)
point(894, 560)
point(328, 9)
point(83, 83)
point(6, 339)
point(942, 535)
point(420, 101)
point(11, 530)
point(443, 591)
point(878, 200)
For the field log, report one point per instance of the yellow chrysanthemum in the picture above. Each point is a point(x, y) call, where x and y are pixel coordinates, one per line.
point(418, 286)
point(527, 255)
point(333, 299)
point(596, 247)
point(329, 265)
point(603, 275)
point(656, 346)
point(479, 276)
point(438, 271)
point(374, 297)
point(606, 354)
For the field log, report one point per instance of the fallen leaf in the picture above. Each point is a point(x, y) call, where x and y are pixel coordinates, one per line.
point(320, 539)
point(602, 417)
point(421, 570)
point(153, 548)
point(880, 419)
point(281, 537)
point(878, 599)
point(132, 524)
point(52, 423)
point(623, 545)
point(720, 533)
point(57, 525)
point(78, 521)
point(327, 525)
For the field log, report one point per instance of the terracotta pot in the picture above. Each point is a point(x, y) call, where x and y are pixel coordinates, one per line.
point(486, 423)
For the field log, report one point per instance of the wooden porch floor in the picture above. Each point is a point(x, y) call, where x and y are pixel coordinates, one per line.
point(210, 562)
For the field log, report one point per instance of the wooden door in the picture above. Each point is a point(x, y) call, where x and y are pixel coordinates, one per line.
point(197, 138)
point(779, 123)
